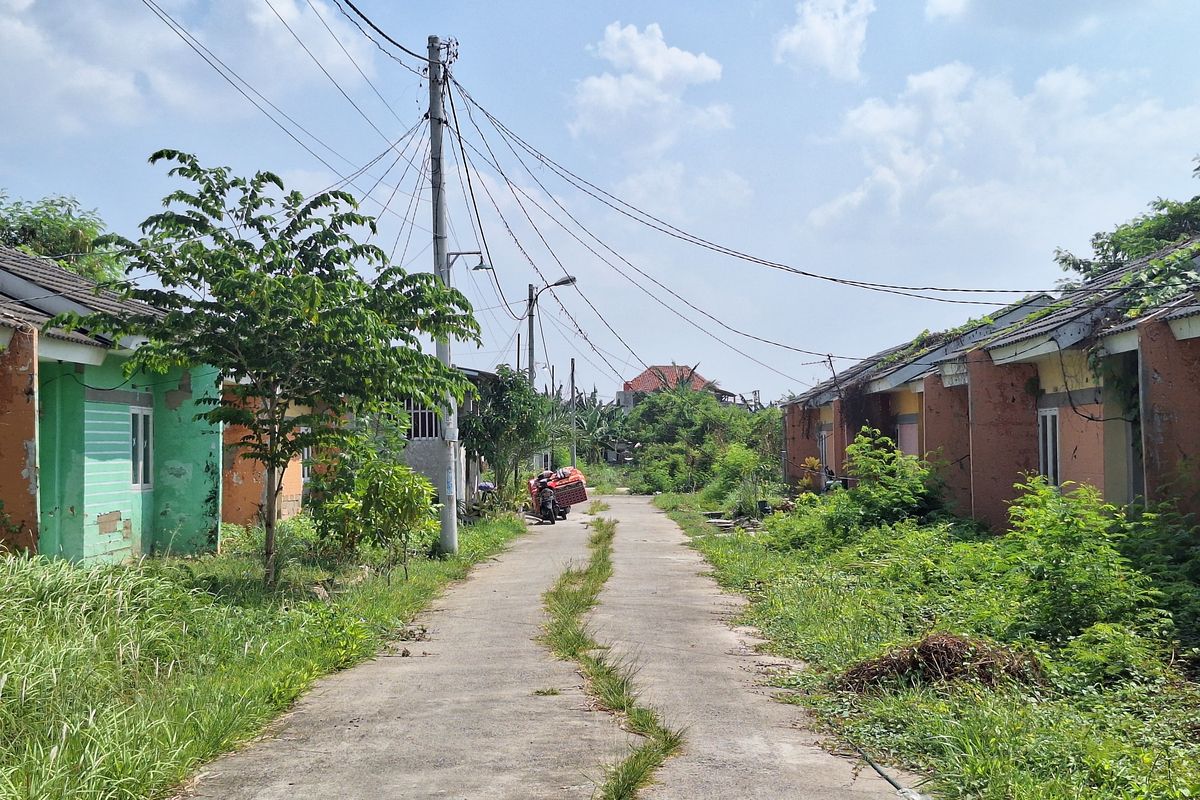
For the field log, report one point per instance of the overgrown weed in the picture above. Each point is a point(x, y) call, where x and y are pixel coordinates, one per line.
point(610, 681)
point(119, 681)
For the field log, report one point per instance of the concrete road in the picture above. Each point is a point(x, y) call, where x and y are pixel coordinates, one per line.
point(458, 718)
point(703, 675)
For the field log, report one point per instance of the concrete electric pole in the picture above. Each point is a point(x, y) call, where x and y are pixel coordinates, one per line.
point(574, 418)
point(448, 539)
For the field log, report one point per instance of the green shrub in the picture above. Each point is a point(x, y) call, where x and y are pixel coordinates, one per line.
point(889, 486)
point(1107, 653)
point(1065, 570)
point(1165, 545)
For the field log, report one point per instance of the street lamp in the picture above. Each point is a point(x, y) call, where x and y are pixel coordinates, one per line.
point(453, 256)
point(566, 280)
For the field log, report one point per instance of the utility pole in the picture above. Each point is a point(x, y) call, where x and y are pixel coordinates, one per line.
point(574, 425)
point(529, 342)
point(518, 352)
point(448, 538)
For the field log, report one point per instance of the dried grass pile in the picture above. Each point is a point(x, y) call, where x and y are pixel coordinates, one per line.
point(943, 657)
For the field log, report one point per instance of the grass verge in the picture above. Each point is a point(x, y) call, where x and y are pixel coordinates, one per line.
point(610, 682)
point(1128, 738)
point(119, 681)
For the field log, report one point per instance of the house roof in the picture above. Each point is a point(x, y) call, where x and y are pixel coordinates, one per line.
point(1094, 302)
point(13, 310)
point(59, 282)
point(896, 361)
point(656, 378)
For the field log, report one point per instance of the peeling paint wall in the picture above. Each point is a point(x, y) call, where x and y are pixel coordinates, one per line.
point(187, 464)
point(91, 509)
point(18, 443)
point(801, 426)
point(1003, 413)
point(243, 484)
point(947, 438)
point(1170, 388)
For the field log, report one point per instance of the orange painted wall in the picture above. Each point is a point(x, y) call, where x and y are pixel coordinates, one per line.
point(1170, 383)
point(1081, 445)
point(1003, 413)
point(243, 492)
point(18, 442)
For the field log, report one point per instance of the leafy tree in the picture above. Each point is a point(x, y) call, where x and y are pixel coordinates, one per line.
point(507, 426)
point(1167, 222)
point(58, 227)
point(262, 284)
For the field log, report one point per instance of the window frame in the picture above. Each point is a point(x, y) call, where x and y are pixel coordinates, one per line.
point(1049, 446)
point(141, 441)
point(423, 423)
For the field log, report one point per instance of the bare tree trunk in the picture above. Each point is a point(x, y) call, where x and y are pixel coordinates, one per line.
point(272, 478)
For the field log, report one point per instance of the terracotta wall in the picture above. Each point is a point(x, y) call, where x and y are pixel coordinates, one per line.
point(1170, 386)
point(1081, 444)
point(800, 428)
point(18, 442)
point(947, 439)
point(1003, 412)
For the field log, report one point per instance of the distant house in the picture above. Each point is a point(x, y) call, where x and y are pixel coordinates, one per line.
point(659, 378)
point(1087, 388)
point(244, 481)
point(96, 466)
point(425, 444)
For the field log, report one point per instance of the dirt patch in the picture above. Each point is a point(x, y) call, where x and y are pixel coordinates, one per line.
point(943, 657)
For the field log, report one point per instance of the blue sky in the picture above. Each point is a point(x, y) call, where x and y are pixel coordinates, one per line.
point(931, 142)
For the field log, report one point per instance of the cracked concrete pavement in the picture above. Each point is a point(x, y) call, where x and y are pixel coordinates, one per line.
point(459, 718)
point(660, 610)
point(456, 719)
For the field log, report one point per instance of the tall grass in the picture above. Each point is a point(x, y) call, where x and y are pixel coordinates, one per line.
point(118, 681)
point(1130, 730)
point(610, 682)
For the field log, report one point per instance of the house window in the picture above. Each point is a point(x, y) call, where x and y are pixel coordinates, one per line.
point(305, 459)
point(823, 448)
point(1048, 444)
point(141, 446)
point(907, 438)
point(423, 422)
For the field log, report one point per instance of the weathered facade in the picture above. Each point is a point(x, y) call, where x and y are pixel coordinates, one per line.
point(98, 466)
point(1068, 388)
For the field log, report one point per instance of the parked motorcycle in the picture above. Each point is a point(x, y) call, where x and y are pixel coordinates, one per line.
point(553, 493)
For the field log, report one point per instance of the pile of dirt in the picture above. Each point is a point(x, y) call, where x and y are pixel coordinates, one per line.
point(942, 657)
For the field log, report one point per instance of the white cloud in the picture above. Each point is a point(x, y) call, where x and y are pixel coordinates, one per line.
point(935, 9)
point(961, 148)
point(829, 35)
point(645, 96)
point(117, 64)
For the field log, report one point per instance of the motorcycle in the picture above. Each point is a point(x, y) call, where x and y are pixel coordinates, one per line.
point(553, 493)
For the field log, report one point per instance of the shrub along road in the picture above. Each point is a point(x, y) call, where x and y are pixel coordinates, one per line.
point(480, 708)
point(477, 709)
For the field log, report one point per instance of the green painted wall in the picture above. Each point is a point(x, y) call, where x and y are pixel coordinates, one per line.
point(91, 510)
point(60, 461)
point(187, 464)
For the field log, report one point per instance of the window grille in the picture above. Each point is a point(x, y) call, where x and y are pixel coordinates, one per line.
point(1048, 444)
point(141, 443)
point(423, 422)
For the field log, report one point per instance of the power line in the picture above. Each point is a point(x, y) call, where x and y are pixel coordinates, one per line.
point(513, 188)
point(377, 29)
point(225, 71)
point(475, 207)
point(516, 242)
point(509, 185)
point(649, 220)
point(352, 60)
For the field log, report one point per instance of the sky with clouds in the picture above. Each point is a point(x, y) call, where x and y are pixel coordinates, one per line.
point(918, 142)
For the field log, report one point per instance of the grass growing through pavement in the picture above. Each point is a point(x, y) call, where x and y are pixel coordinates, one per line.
point(119, 681)
point(1133, 734)
point(611, 683)
point(598, 507)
